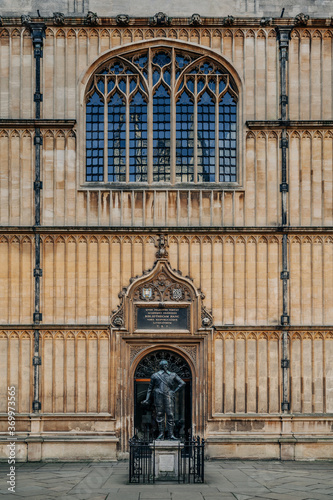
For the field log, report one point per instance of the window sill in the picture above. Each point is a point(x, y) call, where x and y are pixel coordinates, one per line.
point(161, 186)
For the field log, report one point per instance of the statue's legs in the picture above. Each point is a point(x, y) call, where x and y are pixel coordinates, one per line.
point(159, 407)
point(169, 410)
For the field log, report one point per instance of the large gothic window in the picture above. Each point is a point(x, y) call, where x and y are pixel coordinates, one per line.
point(161, 115)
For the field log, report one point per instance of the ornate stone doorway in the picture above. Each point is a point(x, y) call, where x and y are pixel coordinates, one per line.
point(145, 426)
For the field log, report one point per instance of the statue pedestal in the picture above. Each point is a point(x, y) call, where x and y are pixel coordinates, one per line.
point(166, 459)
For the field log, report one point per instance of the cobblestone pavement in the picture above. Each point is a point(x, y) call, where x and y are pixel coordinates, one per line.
point(225, 479)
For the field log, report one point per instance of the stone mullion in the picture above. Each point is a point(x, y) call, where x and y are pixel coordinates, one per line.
point(195, 133)
point(173, 118)
point(127, 128)
point(105, 133)
point(150, 138)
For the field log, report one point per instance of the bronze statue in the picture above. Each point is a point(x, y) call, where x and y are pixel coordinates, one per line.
point(164, 385)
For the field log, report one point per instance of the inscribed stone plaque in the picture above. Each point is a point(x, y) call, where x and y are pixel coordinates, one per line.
point(168, 318)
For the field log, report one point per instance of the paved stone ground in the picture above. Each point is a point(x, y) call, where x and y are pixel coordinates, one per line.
point(225, 480)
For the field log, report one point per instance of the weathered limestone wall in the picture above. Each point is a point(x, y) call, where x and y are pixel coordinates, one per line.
point(239, 275)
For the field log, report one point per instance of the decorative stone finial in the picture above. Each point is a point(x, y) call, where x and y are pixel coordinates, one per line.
point(301, 19)
point(91, 18)
point(228, 21)
point(122, 20)
point(58, 18)
point(265, 21)
point(26, 20)
point(195, 20)
point(160, 19)
point(162, 244)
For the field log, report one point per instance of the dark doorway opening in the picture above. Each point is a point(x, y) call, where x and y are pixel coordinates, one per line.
point(145, 425)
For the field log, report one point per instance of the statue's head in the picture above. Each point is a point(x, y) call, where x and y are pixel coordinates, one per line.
point(164, 364)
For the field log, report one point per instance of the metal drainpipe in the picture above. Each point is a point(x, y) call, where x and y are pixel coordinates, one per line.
point(37, 33)
point(283, 38)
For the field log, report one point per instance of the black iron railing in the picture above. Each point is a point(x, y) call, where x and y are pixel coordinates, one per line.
point(189, 458)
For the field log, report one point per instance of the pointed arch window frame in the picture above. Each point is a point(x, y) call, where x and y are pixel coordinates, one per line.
point(176, 89)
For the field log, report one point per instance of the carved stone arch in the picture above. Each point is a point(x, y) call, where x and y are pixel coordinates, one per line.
point(47, 335)
point(127, 36)
point(329, 335)
point(92, 336)
point(252, 336)
point(329, 239)
point(15, 33)
point(262, 239)
point(262, 135)
point(317, 134)
point(105, 239)
point(3, 239)
point(295, 34)
point(207, 240)
point(273, 336)
point(59, 336)
point(173, 239)
point(93, 33)
point(14, 335)
point(328, 135)
point(26, 133)
point(250, 34)
point(229, 240)
point(184, 240)
point(306, 135)
point(295, 135)
point(71, 239)
point(4, 33)
point(305, 34)
point(318, 240)
point(295, 239)
point(227, 34)
point(138, 35)
point(183, 34)
point(25, 336)
point(71, 33)
point(3, 335)
point(272, 34)
point(49, 134)
point(161, 288)
point(241, 336)
point(161, 33)
point(115, 239)
point(81, 335)
point(239, 34)
point(307, 336)
point(230, 336)
point(296, 336)
point(15, 239)
point(318, 336)
point(172, 33)
point(195, 240)
point(261, 34)
point(49, 239)
point(82, 34)
point(306, 239)
point(273, 135)
point(49, 32)
point(263, 336)
point(328, 34)
point(4, 133)
point(93, 239)
point(60, 34)
point(60, 134)
point(149, 34)
point(26, 239)
point(317, 34)
point(250, 135)
point(14, 134)
point(252, 239)
point(60, 239)
point(70, 336)
point(240, 239)
point(217, 33)
point(217, 239)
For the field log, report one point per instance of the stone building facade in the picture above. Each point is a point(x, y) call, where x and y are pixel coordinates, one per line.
point(133, 227)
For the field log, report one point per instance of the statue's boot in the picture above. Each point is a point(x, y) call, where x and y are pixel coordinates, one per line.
point(161, 430)
point(170, 426)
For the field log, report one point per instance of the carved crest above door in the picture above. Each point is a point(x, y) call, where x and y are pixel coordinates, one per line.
point(161, 300)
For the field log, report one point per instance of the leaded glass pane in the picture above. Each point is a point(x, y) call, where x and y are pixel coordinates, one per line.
point(206, 139)
point(116, 139)
point(138, 140)
point(95, 139)
point(161, 135)
point(184, 139)
point(227, 139)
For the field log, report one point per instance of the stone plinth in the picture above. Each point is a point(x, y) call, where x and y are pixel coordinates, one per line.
point(166, 459)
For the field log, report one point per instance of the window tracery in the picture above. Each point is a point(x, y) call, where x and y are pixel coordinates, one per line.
point(161, 115)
